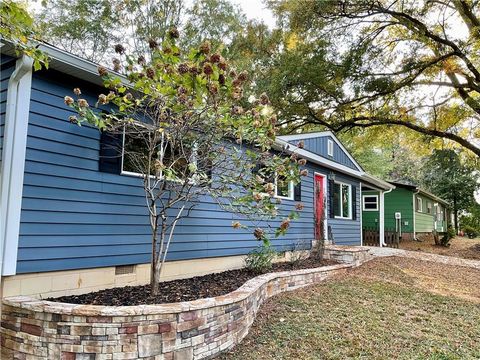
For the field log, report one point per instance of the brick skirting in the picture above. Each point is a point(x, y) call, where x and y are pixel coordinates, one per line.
point(36, 329)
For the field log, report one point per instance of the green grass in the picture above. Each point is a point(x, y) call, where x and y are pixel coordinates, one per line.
point(354, 317)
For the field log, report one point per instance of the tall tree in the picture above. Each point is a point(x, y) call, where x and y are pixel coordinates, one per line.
point(18, 28)
point(86, 28)
point(370, 63)
point(447, 176)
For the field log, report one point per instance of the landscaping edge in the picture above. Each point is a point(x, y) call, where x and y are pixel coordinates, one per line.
point(199, 329)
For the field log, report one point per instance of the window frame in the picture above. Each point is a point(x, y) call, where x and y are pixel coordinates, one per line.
point(350, 205)
point(330, 147)
point(418, 208)
point(429, 209)
point(135, 174)
point(376, 202)
point(291, 190)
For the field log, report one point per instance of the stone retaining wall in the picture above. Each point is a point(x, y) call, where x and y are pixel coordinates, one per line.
point(36, 329)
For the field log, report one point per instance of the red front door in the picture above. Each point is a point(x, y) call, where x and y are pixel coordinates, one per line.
point(319, 207)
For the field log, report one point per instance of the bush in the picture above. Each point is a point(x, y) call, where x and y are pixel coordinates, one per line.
point(471, 232)
point(260, 260)
point(449, 235)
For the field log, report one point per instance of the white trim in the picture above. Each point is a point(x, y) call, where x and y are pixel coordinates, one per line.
point(418, 209)
point(291, 194)
point(381, 217)
point(283, 145)
point(325, 196)
point(363, 202)
point(414, 193)
point(330, 147)
point(322, 134)
point(350, 205)
point(13, 162)
point(361, 218)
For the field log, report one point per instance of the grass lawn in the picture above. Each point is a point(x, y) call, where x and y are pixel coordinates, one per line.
point(389, 308)
point(460, 247)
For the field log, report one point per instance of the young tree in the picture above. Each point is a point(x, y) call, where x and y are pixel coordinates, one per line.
point(367, 63)
point(191, 134)
point(448, 177)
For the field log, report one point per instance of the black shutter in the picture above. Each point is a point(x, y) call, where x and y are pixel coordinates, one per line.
point(297, 191)
point(110, 153)
point(354, 202)
point(331, 185)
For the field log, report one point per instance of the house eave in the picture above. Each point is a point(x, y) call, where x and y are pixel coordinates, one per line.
point(283, 145)
point(66, 63)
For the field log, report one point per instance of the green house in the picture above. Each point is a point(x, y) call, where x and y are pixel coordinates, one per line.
point(411, 211)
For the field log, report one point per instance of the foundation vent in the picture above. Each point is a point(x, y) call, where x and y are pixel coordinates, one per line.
point(124, 269)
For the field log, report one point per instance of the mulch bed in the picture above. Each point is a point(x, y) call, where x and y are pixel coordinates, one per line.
point(198, 287)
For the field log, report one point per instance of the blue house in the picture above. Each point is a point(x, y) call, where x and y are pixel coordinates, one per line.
point(68, 227)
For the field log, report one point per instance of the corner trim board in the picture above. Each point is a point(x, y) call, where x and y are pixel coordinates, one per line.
point(13, 162)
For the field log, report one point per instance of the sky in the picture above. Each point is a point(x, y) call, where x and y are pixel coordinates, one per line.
point(256, 9)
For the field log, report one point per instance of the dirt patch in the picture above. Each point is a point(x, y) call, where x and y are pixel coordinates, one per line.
point(388, 308)
point(459, 247)
point(198, 287)
point(437, 278)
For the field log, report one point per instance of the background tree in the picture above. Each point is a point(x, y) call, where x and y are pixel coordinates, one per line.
point(18, 27)
point(370, 63)
point(190, 133)
point(452, 180)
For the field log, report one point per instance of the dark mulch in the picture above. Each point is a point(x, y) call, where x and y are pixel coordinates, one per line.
point(182, 290)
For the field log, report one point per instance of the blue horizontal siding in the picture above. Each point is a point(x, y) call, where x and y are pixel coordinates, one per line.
point(6, 69)
point(74, 216)
point(319, 146)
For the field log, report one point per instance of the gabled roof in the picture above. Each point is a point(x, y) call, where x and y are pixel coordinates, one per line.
point(282, 144)
point(413, 187)
point(319, 134)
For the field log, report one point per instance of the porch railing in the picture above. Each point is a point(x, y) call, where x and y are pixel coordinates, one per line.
point(371, 237)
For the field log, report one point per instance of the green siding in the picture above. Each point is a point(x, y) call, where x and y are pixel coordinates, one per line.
point(369, 218)
point(398, 200)
point(401, 200)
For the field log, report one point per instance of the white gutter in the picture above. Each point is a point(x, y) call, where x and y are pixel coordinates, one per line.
point(414, 211)
point(13, 162)
point(381, 216)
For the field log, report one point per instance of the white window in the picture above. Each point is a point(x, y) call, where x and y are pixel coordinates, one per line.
point(135, 158)
point(283, 188)
point(370, 202)
point(342, 200)
point(330, 147)
point(419, 204)
point(429, 207)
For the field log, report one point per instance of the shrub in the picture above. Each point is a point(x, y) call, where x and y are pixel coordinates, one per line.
point(449, 235)
point(260, 260)
point(471, 232)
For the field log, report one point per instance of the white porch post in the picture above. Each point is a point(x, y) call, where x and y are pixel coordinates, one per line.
point(13, 162)
point(381, 219)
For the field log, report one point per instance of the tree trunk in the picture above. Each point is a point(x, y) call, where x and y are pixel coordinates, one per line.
point(154, 281)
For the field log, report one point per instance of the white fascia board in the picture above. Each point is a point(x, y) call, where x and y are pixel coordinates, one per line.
point(322, 134)
point(13, 162)
point(284, 145)
point(434, 197)
point(281, 144)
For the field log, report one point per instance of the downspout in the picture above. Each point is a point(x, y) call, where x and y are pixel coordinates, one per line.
point(13, 162)
point(414, 212)
point(381, 215)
